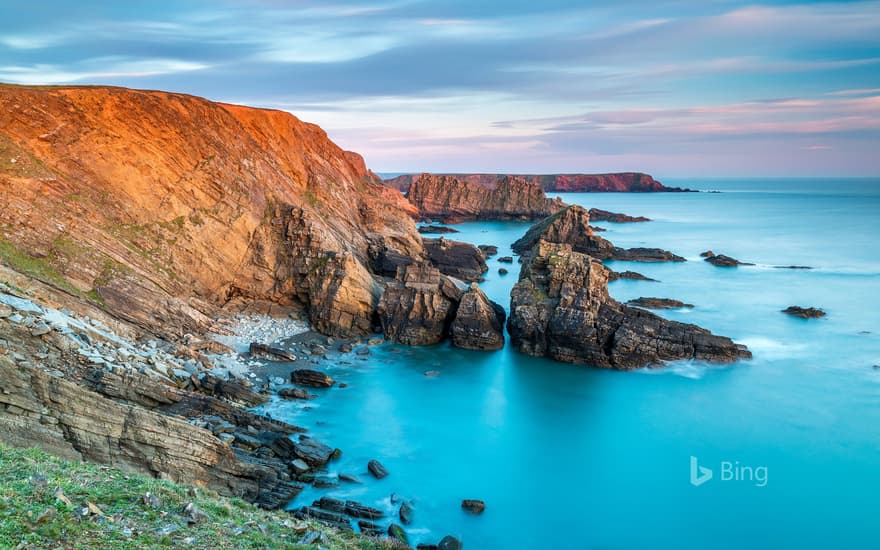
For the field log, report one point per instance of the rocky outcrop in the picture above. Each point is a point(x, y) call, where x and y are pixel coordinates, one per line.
point(658, 303)
point(631, 275)
point(804, 312)
point(452, 200)
point(457, 259)
point(479, 322)
point(720, 260)
point(560, 308)
point(572, 226)
point(624, 182)
point(436, 229)
point(599, 215)
point(163, 207)
point(418, 307)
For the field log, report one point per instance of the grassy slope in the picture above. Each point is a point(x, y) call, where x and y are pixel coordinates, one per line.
point(32, 517)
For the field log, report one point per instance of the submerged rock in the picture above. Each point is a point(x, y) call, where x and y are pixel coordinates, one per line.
point(804, 312)
point(479, 322)
point(720, 260)
point(457, 259)
point(572, 226)
point(658, 303)
point(449, 543)
point(560, 308)
point(473, 506)
point(405, 513)
point(377, 469)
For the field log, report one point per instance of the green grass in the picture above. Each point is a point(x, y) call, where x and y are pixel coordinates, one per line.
point(38, 268)
point(32, 517)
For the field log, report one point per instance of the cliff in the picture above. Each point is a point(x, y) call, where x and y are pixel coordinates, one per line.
point(453, 200)
point(162, 207)
point(624, 182)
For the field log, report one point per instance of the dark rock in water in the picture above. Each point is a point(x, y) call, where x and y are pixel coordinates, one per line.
point(436, 229)
point(599, 215)
point(502, 271)
point(345, 347)
point(449, 543)
point(312, 451)
point(473, 506)
point(325, 481)
point(271, 353)
point(792, 267)
point(658, 303)
point(370, 529)
point(479, 323)
point(720, 260)
point(396, 532)
point(506, 259)
point(560, 308)
point(418, 306)
point(632, 275)
point(329, 503)
point(457, 259)
point(572, 226)
point(310, 378)
point(375, 467)
point(358, 510)
point(426, 546)
point(488, 249)
point(804, 312)
point(405, 513)
point(294, 393)
point(597, 229)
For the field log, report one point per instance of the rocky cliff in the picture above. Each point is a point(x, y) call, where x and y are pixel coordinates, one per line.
point(453, 200)
point(625, 182)
point(560, 308)
point(162, 207)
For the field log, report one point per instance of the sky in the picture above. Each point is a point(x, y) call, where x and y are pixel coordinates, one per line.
point(674, 88)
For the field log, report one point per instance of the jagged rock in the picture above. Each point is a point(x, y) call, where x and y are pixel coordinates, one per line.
point(40, 329)
point(453, 200)
point(479, 322)
point(473, 506)
point(294, 393)
point(804, 312)
point(600, 215)
point(311, 378)
point(560, 308)
point(572, 226)
point(193, 514)
point(418, 306)
point(658, 303)
point(488, 250)
point(358, 510)
point(720, 260)
point(632, 275)
point(312, 451)
point(271, 353)
point(457, 259)
point(436, 229)
point(405, 513)
point(377, 469)
point(449, 543)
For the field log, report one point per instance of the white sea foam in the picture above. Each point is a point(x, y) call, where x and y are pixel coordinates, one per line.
point(766, 348)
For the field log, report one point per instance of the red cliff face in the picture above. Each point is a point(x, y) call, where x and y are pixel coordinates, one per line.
point(452, 200)
point(163, 206)
point(626, 182)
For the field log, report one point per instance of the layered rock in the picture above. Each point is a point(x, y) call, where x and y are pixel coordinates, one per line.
point(479, 322)
point(457, 259)
point(418, 307)
point(572, 226)
point(599, 215)
point(452, 200)
point(162, 207)
point(624, 182)
point(560, 308)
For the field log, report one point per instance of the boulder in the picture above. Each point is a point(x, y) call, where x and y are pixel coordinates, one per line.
point(599, 215)
point(397, 533)
point(457, 259)
point(294, 393)
point(804, 312)
point(377, 469)
point(311, 378)
point(270, 353)
point(488, 250)
point(449, 543)
point(560, 308)
point(658, 303)
point(479, 323)
point(473, 506)
point(405, 513)
point(312, 452)
point(720, 260)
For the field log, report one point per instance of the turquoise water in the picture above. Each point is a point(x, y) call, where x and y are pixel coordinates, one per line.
point(568, 456)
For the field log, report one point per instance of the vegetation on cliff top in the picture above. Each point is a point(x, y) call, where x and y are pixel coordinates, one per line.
point(47, 502)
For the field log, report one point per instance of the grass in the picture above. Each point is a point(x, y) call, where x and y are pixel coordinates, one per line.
point(38, 268)
point(33, 516)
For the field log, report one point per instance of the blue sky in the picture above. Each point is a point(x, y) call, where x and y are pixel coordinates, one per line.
point(674, 88)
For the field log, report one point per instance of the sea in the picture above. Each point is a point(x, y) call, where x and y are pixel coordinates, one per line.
point(780, 451)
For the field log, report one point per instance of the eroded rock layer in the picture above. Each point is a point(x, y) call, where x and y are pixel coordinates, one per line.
point(624, 182)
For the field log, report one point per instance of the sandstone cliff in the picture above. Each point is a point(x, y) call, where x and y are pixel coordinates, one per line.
point(161, 207)
point(453, 200)
point(625, 182)
point(560, 308)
